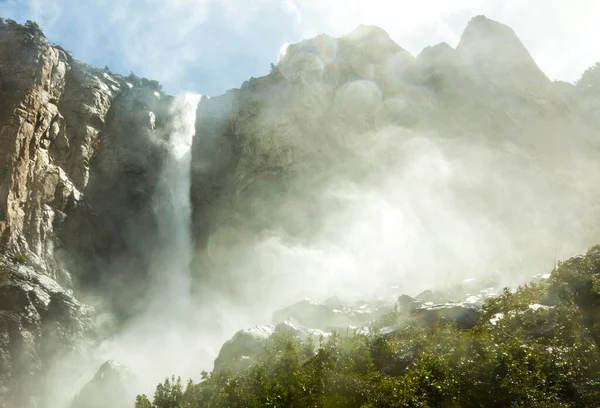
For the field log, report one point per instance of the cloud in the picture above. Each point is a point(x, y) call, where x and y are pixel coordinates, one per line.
point(209, 46)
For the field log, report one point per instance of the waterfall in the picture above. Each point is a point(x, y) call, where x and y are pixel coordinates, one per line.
point(172, 252)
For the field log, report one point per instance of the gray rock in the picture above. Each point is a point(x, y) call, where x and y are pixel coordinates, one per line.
point(39, 322)
point(242, 348)
point(408, 304)
point(312, 315)
point(113, 386)
point(464, 314)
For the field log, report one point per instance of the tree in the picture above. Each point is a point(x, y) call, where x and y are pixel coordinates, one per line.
point(590, 79)
point(32, 25)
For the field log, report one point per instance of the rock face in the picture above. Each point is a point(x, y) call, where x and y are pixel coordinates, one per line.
point(463, 314)
point(80, 153)
point(336, 112)
point(112, 386)
point(240, 349)
point(39, 323)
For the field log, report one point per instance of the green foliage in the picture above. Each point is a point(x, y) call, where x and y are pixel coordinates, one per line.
point(537, 346)
point(10, 21)
point(3, 272)
point(32, 25)
point(19, 258)
point(3, 276)
point(143, 82)
point(590, 79)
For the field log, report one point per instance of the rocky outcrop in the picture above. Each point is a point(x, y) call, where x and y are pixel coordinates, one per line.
point(237, 352)
point(80, 154)
point(334, 112)
point(465, 315)
point(39, 324)
point(113, 386)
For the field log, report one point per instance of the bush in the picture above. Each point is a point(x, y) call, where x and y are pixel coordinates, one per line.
point(590, 79)
point(19, 258)
point(32, 25)
point(143, 82)
point(530, 357)
point(3, 276)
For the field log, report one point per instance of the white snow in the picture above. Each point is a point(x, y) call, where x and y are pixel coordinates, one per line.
point(496, 318)
point(535, 307)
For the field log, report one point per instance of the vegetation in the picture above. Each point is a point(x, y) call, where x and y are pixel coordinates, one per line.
point(19, 258)
point(535, 347)
point(590, 79)
point(3, 275)
point(143, 82)
point(3, 272)
point(32, 25)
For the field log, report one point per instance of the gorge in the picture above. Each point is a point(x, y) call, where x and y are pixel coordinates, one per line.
point(148, 229)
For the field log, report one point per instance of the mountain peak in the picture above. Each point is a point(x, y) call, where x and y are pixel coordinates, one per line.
point(372, 36)
point(495, 50)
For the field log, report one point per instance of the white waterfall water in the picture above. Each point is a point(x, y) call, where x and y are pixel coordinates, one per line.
point(159, 339)
point(171, 255)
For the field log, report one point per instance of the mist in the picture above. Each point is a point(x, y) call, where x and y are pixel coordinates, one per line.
point(359, 188)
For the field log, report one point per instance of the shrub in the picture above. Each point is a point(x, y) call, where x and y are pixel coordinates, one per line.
point(3, 276)
point(32, 25)
point(531, 357)
point(19, 258)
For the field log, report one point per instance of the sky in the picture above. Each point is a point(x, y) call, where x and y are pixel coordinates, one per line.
point(209, 46)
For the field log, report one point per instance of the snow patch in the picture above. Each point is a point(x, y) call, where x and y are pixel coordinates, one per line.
point(535, 307)
point(496, 318)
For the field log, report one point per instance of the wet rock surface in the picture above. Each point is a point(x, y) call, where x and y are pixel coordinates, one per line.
point(80, 150)
point(39, 322)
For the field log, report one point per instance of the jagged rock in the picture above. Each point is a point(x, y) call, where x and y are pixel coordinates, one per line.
point(39, 322)
point(242, 347)
point(113, 386)
point(464, 314)
point(408, 303)
point(334, 303)
point(494, 51)
point(428, 296)
point(60, 122)
point(313, 315)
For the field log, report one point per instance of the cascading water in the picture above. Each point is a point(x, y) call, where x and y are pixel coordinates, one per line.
point(171, 256)
point(159, 339)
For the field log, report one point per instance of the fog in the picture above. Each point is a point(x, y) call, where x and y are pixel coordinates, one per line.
point(364, 188)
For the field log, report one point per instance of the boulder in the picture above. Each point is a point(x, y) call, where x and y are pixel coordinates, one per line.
point(408, 303)
point(466, 315)
point(242, 347)
point(312, 315)
point(114, 386)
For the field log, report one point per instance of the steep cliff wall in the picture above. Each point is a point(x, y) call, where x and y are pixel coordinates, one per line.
point(469, 150)
point(80, 153)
